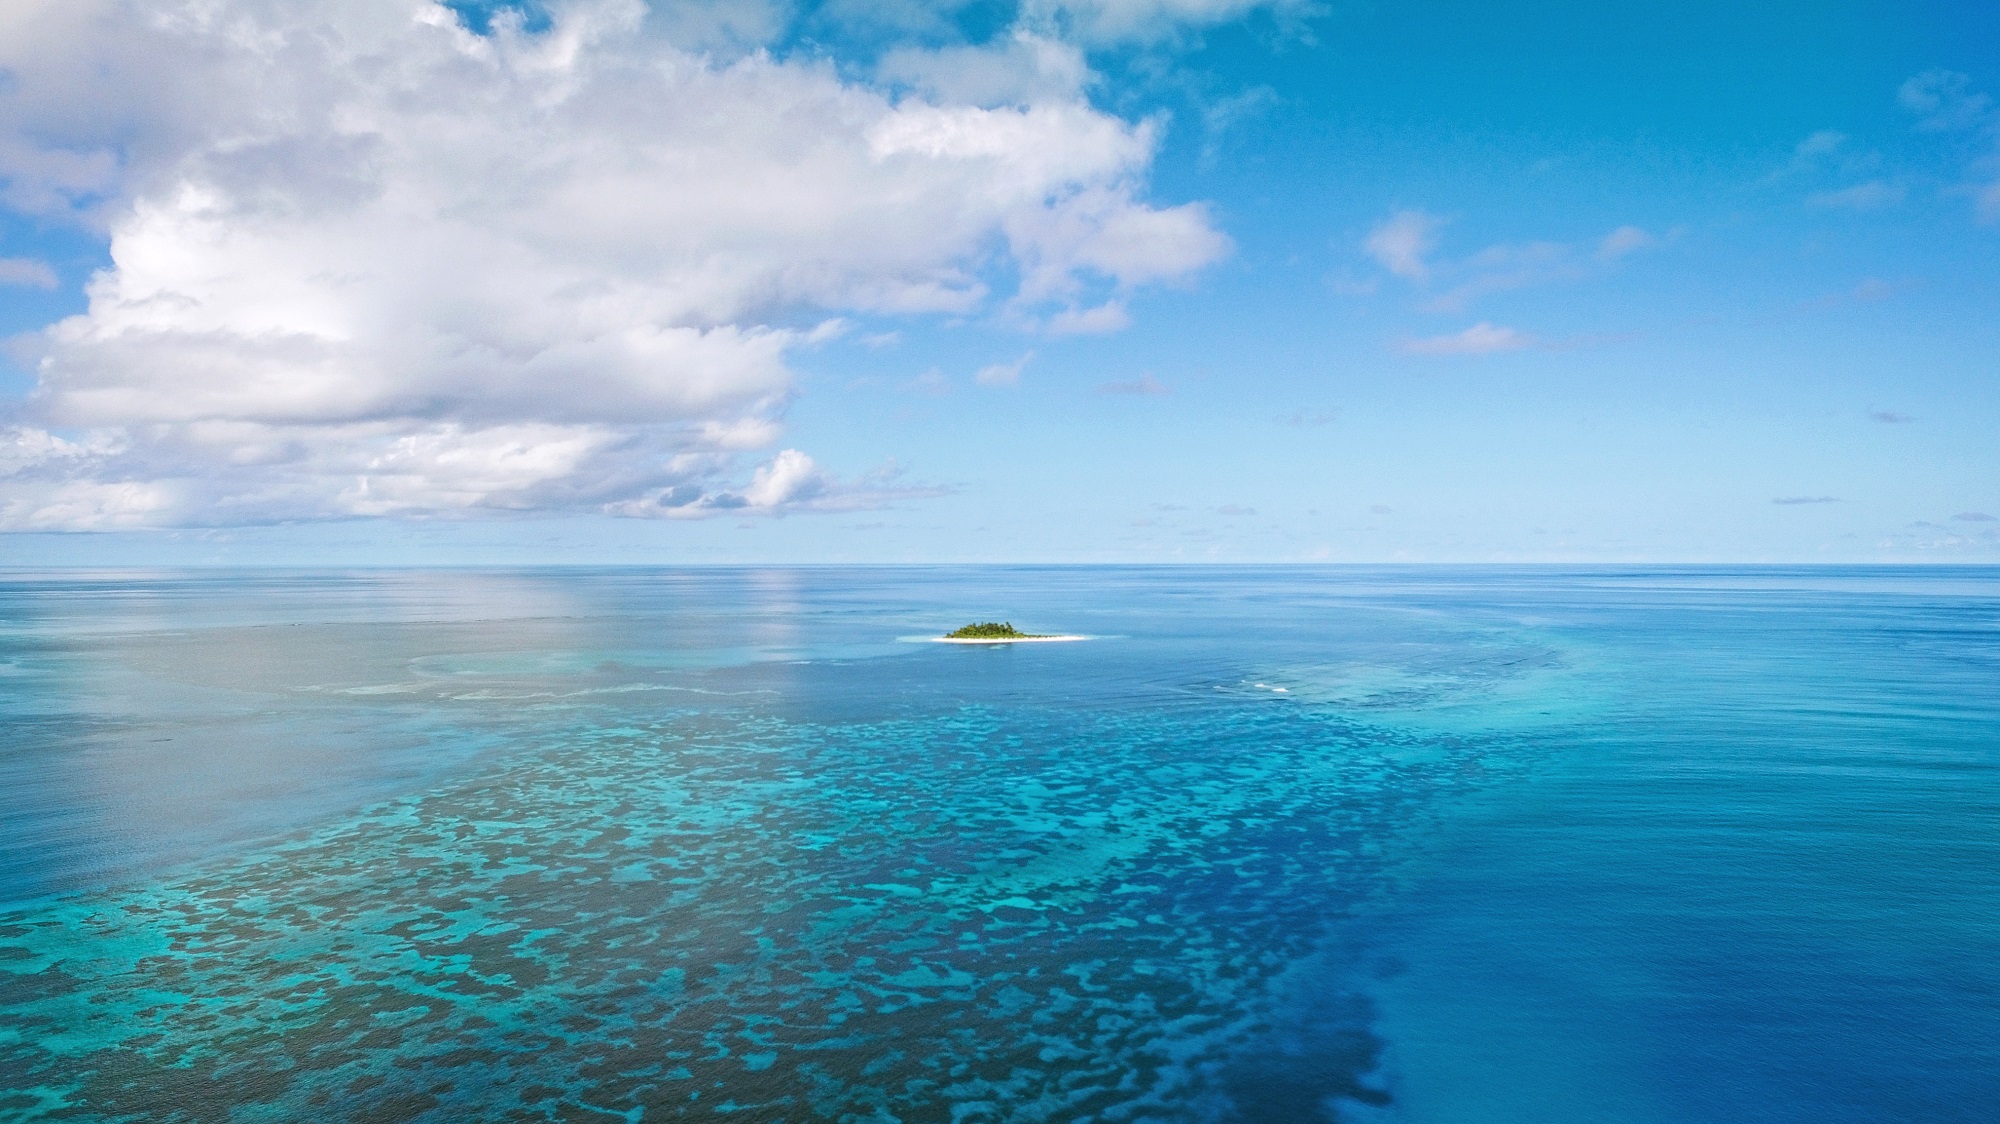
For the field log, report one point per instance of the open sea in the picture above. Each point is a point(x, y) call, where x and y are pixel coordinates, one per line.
point(1429, 844)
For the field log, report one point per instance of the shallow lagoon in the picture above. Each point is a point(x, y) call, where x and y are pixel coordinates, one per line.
point(1363, 844)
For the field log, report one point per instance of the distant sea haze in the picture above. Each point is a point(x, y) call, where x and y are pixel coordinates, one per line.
point(1550, 845)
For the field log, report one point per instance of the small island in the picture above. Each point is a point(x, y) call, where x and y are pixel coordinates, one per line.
point(992, 630)
point(996, 632)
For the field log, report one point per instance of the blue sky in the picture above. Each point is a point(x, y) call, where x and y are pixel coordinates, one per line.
point(1115, 281)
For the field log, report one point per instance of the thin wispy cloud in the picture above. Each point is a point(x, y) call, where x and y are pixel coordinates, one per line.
point(1302, 419)
point(1107, 22)
point(1830, 173)
point(1104, 318)
point(1974, 517)
point(1795, 501)
point(1347, 285)
point(1220, 117)
point(1003, 374)
point(1143, 385)
point(1945, 101)
point(1403, 241)
point(791, 483)
point(1622, 241)
point(1480, 339)
point(1890, 417)
point(931, 382)
point(1505, 268)
point(1871, 196)
point(1406, 244)
point(28, 273)
point(1827, 152)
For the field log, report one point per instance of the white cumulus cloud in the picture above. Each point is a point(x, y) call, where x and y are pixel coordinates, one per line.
point(367, 262)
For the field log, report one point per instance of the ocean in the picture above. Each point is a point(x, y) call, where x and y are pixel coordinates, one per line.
point(1449, 845)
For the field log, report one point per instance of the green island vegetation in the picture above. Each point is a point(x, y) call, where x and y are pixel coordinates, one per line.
point(992, 630)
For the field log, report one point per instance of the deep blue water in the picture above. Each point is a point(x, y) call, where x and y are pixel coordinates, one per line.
point(1569, 846)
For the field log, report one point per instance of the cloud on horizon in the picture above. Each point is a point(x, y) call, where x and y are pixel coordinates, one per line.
point(371, 265)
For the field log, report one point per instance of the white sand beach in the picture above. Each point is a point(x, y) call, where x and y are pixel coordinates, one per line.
point(1006, 639)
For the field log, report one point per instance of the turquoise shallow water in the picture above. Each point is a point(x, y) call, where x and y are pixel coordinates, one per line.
point(1317, 844)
